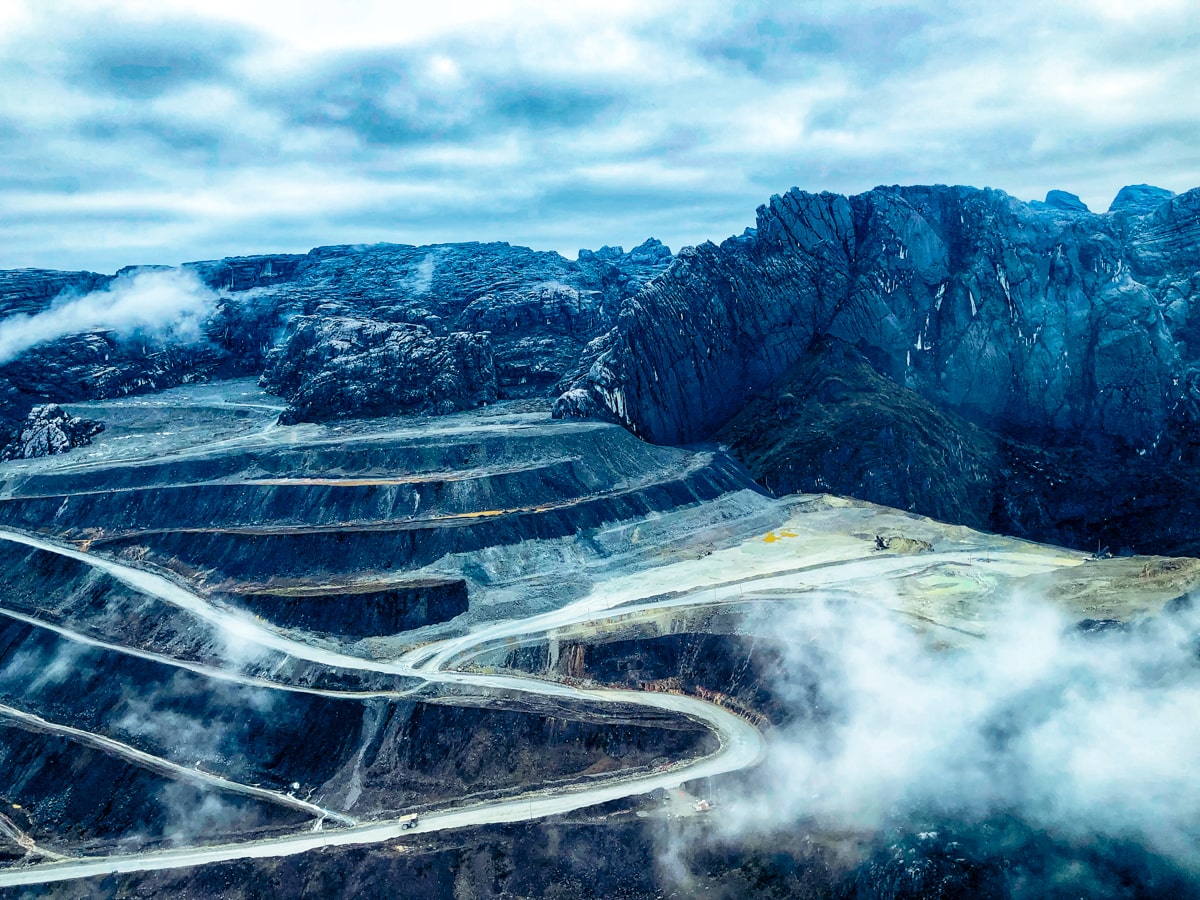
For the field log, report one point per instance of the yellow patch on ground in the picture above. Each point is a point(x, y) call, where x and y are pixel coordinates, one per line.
point(772, 536)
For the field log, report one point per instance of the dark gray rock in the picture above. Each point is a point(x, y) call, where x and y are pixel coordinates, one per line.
point(1018, 318)
point(340, 367)
point(385, 610)
point(541, 311)
point(29, 291)
point(1043, 361)
point(1066, 201)
point(1139, 199)
point(101, 364)
point(835, 425)
point(48, 430)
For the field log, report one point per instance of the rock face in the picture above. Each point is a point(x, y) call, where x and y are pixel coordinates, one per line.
point(1039, 323)
point(1138, 199)
point(387, 610)
point(339, 367)
point(540, 310)
point(1065, 200)
point(1043, 320)
point(833, 424)
point(48, 430)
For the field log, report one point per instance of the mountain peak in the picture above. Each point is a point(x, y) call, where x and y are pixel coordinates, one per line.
point(1066, 200)
point(1139, 199)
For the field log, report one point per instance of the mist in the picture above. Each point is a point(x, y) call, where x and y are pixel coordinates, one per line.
point(168, 305)
point(1083, 734)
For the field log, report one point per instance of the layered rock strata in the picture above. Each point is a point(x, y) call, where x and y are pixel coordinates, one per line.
point(388, 609)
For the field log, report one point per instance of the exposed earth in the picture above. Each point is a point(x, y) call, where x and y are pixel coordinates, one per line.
point(239, 656)
point(356, 574)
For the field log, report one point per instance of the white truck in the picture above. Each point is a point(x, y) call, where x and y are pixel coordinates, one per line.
point(409, 821)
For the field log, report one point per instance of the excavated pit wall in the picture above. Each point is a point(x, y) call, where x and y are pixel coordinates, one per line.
point(217, 556)
point(385, 611)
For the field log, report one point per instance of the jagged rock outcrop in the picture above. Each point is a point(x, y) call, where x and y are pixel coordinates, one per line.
point(1038, 323)
point(339, 367)
point(1065, 200)
point(540, 310)
point(101, 364)
point(1025, 318)
point(1139, 199)
point(77, 367)
point(47, 430)
point(29, 291)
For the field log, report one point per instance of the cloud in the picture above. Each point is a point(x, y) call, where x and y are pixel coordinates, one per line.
point(167, 305)
point(784, 42)
point(1077, 734)
point(458, 123)
point(405, 97)
point(138, 61)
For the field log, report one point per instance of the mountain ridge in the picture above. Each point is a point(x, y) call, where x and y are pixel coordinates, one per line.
point(1060, 343)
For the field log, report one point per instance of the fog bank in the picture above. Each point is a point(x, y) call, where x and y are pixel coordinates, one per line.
point(1083, 733)
point(167, 305)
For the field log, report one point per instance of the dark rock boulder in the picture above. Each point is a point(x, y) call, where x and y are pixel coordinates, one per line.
point(341, 367)
point(48, 430)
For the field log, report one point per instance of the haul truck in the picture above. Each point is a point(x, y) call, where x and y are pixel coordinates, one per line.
point(409, 821)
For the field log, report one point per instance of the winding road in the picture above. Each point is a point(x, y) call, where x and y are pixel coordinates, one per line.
point(740, 743)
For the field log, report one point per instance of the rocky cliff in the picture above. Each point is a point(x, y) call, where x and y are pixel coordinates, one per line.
point(539, 310)
point(1039, 323)
point(337, 367)
point(1044, 318)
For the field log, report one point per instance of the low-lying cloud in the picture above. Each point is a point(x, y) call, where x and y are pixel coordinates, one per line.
point(1083, 735)
point(168, 305)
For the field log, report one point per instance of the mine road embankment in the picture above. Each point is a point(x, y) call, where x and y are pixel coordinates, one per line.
point(740, 746)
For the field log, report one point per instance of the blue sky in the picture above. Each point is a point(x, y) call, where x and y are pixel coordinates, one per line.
point(158, 132)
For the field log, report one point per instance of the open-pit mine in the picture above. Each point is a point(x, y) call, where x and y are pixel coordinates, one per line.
point(419, 651)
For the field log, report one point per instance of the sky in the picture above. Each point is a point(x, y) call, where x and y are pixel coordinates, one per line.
point(160, 131)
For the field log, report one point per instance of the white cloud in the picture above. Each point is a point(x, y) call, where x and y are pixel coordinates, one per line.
point(288, 128)
point(1078, 735)
point(170, 305)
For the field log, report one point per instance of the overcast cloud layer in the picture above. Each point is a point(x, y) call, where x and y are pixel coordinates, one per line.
point(157, 132)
